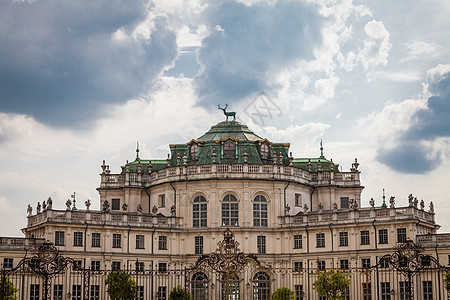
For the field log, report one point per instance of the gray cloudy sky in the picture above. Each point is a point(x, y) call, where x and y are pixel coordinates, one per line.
point(82, 81)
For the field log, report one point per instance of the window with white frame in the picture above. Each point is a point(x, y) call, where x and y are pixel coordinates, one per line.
point(427, 290)
point(78, 239)
point(58, 292)
point(298, 200)
point(343, 238)
point(261, 244)
point(95, 265)
point(199, 212)
point(383, 236)
point(193, 150)
point(198, 245)
point(320, 240)
point(264, 150)
point(76, 292)
point(298, 241)
point(401, 235)
point(59, 238)
point(34, 292)
point(260, 211)
point(95, 292)
point(365, 262)
point(343, 264)
point(95, 239)
point(365, 237)
point(230, 211)
point(385, 290)
point(162, 242)
point(8, 263)
point(117, 240)
point(229, 149)
point(140, 241)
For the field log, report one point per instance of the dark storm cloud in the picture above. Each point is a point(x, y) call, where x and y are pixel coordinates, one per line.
point(411, 156)
point(247, 42)
point(60, 63)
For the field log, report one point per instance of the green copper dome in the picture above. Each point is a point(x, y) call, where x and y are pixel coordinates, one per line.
point(232, 129)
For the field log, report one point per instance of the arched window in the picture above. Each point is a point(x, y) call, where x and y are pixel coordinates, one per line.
point(260, 211)
point(261, 286)
point(264, 150)
point(199, 286)
point(230, 287)
point(229, 149)
point(230, 211)
point(200, 212)
point(193, 150)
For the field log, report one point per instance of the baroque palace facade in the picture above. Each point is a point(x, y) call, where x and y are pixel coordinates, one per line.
point(294, 214)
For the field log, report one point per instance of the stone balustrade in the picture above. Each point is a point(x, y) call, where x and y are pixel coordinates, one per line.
point(19, 243)
point(104, 218)
point(433, 240)
point(360, 215)
point(230, 171)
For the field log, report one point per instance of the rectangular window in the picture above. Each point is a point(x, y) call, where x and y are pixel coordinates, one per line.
point(320, 240)
point(117, 240)
point(95, 292)
point(115, 265)
point(344, 202)
point(365, 237)
point(162, 243)
point(140, 241)
point(34, 292)
point(8, 263)
point(343, 238)
point(95, 240)
point(199, 245)
point(346, 293)
point(365, 263)
point(162, 293)
point(162, 200)
point(385, 291)
point(404, 290)
point(140, 266)
point(298, 266)
point(78, 239)
point(78, 263)
point(162, 267)
point(427, 290)
point(95, 265)
point(140, 293)
point(343, 264)
point(261, 244)
point(115, 204)
point(401, 235)
point(298, 242)
point(59, 238)
point(382, 236)
point(367, 291)
point(57, 292)
point(384, 263)
point(298, 200)
point(321, 265)
point(298, 291)
point(76, 292)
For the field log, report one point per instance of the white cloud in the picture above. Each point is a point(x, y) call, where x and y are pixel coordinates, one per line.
point(418, 49)
point(376, 46)
point(388, 125)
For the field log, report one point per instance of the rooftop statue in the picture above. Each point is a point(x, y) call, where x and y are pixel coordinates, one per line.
point(228, 114)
